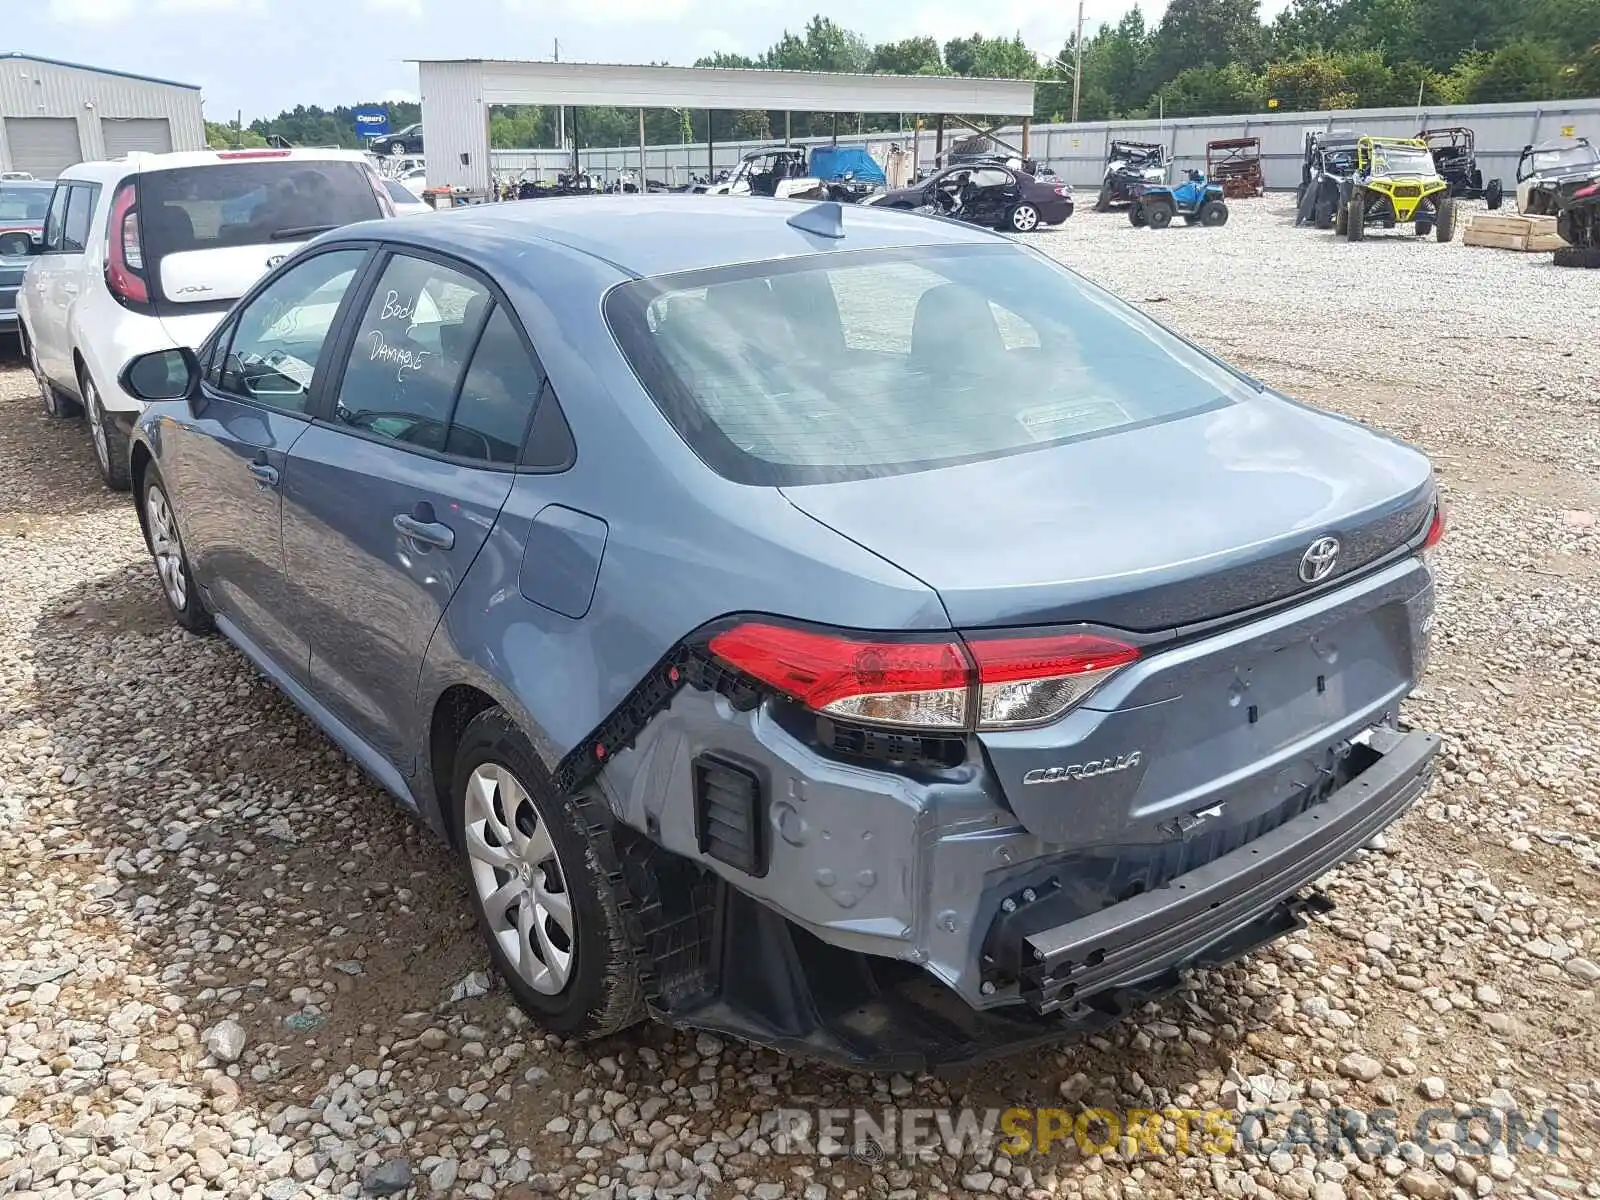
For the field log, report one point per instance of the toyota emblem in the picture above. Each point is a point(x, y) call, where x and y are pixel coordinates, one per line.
point(1317, 563)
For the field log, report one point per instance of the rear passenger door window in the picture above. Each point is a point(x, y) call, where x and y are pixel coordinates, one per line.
point(498, 396)
point(410, 352)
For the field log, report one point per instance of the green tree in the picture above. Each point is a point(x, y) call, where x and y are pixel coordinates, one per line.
point(911, 56)
point(991, 58)
point(1205, 91)
point(1204, 33)
point(1522, 70)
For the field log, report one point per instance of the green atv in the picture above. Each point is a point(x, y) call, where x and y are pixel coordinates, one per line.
point(1395, 183)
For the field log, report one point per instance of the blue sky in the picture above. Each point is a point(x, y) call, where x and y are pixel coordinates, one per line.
point(265, 55)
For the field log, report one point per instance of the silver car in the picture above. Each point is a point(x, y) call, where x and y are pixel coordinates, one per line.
point(849, 631)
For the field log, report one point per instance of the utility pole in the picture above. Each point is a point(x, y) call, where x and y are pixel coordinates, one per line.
point(561, 110)
point(1077, 69)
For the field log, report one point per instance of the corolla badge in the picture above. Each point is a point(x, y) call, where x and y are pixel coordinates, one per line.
point(1074, 772)
point(1317, 563)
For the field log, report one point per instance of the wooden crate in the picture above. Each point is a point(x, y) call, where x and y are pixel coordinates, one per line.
point(1507, 232)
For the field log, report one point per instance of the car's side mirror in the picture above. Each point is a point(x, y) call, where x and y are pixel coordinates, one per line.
point(19, 243)
point(162, 375)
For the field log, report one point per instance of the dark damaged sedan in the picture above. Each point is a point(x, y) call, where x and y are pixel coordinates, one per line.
point(773, 663)
point(994, 194)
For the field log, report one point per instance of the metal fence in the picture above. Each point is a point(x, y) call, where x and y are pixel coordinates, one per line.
point(1078, 152)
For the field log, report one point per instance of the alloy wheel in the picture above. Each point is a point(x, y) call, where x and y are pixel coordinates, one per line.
point(1025, 218)
point(166, 547)
point(519, 879)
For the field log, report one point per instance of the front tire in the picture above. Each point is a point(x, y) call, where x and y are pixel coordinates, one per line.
point(1024, 218)
point(1213, 213)
point(1355, 218)
point(1136, 215)
point(110, 443)
point(544, 885)
point(1103, 201)
point(165, 544)
point(1444, 228)
point(1494, 195)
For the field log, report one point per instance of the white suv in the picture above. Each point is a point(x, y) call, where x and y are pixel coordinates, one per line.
point(148, 252)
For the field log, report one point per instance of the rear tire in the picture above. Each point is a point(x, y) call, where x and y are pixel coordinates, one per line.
point(110, 443)
point(56, 402)
point(1213, 213)
point(1024, 218)
point(163, 540)
point(1578, 256)
point(1325, 214)
point(1445, 228)
point(1103, 201)
point(1158, 215)
point(1136, 216)
point(543, 877)
point(1494, 195)
point(1341, 218)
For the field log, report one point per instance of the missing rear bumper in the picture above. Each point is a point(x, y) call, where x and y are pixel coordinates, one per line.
point(1198, 916)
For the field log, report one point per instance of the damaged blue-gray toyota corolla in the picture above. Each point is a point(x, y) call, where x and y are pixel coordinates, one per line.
point(843, 629)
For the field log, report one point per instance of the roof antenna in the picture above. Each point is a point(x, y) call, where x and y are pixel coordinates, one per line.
point(824, 220)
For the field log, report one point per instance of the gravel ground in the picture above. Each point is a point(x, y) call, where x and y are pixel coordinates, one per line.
point(228, 962)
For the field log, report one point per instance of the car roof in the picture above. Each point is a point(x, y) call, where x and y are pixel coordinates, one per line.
point(1558, 144)
point(138, 162)
point(661, 234)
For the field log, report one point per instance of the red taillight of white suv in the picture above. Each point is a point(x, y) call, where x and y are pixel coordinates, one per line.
point(125, 278)
point(977, 681)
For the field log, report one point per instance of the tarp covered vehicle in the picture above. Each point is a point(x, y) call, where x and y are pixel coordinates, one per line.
point(1129, 166)
point(1455, 154)
point(848, 173)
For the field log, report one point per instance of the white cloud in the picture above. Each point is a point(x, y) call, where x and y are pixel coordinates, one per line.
point(94, 12)
point(602, 12)
point(405, 8)
point(107, 12)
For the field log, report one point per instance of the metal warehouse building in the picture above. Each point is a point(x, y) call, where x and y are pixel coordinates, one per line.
point(54, 114)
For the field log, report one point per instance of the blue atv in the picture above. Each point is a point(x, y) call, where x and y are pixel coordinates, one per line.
point(1196, 201)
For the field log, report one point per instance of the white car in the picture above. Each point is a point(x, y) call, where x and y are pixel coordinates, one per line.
point(405, 201)
point(148, 252)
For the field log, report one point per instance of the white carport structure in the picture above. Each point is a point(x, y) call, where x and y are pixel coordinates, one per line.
point(458, 94)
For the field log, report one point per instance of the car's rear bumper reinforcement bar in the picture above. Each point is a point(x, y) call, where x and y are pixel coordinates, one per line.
point(1176, 925)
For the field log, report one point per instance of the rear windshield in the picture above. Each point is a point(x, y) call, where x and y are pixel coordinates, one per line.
point(398, 191)
point(26, 206)
point(851, 365)
point(249, 203)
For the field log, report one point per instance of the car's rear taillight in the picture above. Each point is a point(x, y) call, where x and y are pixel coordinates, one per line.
point(1435, 534)
point(1027, 680)
point(1435, 529)
point(125, 252)
point(947, 683)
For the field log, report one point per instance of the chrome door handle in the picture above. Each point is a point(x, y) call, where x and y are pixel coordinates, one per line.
point(265, 474)
point(434, 533)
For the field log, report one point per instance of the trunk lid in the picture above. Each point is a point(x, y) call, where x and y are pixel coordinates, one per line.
point(1215, 735)
point(1146, 529)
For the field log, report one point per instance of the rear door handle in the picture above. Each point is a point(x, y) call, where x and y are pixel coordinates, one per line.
point(434, 533)
point(265, 473)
